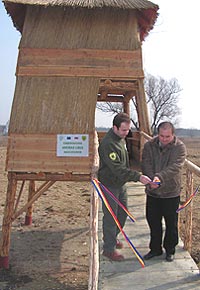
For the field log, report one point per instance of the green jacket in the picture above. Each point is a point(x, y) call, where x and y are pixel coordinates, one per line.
point(166, 163)
point(114, 168)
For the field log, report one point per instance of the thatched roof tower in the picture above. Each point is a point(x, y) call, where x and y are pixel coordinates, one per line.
point(72, 54)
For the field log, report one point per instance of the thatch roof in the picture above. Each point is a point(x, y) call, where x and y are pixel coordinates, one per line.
point(147, 11)
point(124, 4)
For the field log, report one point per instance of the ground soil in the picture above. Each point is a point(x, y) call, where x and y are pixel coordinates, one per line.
point(53, 253)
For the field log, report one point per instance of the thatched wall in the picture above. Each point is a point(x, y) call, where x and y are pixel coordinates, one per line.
point(66, 104)
point(54, 105)
point(55, 27)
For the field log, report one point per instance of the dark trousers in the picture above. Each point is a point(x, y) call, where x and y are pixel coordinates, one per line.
point(110, 229)
point(156, 210)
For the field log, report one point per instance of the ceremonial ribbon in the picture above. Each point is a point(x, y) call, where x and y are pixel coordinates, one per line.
point(103, 198)
point(116, 200)
point(188, 201)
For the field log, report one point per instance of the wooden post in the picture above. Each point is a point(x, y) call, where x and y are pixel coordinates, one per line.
point(94, 246)
point(126, 105)
point(142, 142)
point(29, 212)
point(94, 208)
point(143, 116)
point(188, 212)
point(7, 221)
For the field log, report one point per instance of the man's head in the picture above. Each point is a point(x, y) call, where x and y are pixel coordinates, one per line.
point(121, 124)
point(166, 133)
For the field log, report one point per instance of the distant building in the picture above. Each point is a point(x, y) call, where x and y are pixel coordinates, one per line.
point(2, 129)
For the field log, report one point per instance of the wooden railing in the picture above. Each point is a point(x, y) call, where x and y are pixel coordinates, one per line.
point(191, 170)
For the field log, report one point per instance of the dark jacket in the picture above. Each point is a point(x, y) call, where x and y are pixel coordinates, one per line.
point(114, 168)
point(166, 163)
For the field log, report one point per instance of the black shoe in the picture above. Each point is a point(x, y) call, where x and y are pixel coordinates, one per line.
point(169, 257)
point(152, 254)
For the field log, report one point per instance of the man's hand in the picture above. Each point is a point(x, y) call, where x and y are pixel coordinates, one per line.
point(145, 179)
point(155, 183)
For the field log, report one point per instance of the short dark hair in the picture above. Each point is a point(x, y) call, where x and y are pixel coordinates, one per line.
point(166, 125)
point(120, 118)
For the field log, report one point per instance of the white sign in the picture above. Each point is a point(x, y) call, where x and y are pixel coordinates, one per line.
point(73, 145)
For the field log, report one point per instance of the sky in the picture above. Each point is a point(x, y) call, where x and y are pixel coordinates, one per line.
point(171, 50)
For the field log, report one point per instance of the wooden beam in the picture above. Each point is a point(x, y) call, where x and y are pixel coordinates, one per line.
point(116, 90)
point(42, 176)
point(44, 187)
point(80, 62)
point(110, 99)
point(108, 85)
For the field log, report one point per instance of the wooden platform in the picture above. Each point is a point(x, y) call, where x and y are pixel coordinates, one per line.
point(158, 274)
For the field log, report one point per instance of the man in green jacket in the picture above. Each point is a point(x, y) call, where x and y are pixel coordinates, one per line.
point(114, 172)
point(162, 160)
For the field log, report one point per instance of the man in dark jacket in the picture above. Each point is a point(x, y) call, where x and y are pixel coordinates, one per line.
point(162, 160)
point(114, 172)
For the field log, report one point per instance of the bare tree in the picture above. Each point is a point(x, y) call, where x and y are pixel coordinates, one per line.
point(114, 108)
point(108, 107)
point(162, 99)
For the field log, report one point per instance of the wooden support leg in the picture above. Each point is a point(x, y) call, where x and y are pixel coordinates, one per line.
point(7, 221)
point(29, 212)
point(142, 110)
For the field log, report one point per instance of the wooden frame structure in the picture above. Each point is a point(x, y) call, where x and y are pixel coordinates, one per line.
point(62, 73)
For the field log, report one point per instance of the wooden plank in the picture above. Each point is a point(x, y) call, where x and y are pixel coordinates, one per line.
point(44, 176)
point(86, 57)
point(17, 166)
point(79, 62)
point(32, 142)
point(44, 156)
point(25, 154)
point(48, 164)
point(79, 72)
point(47, 141)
